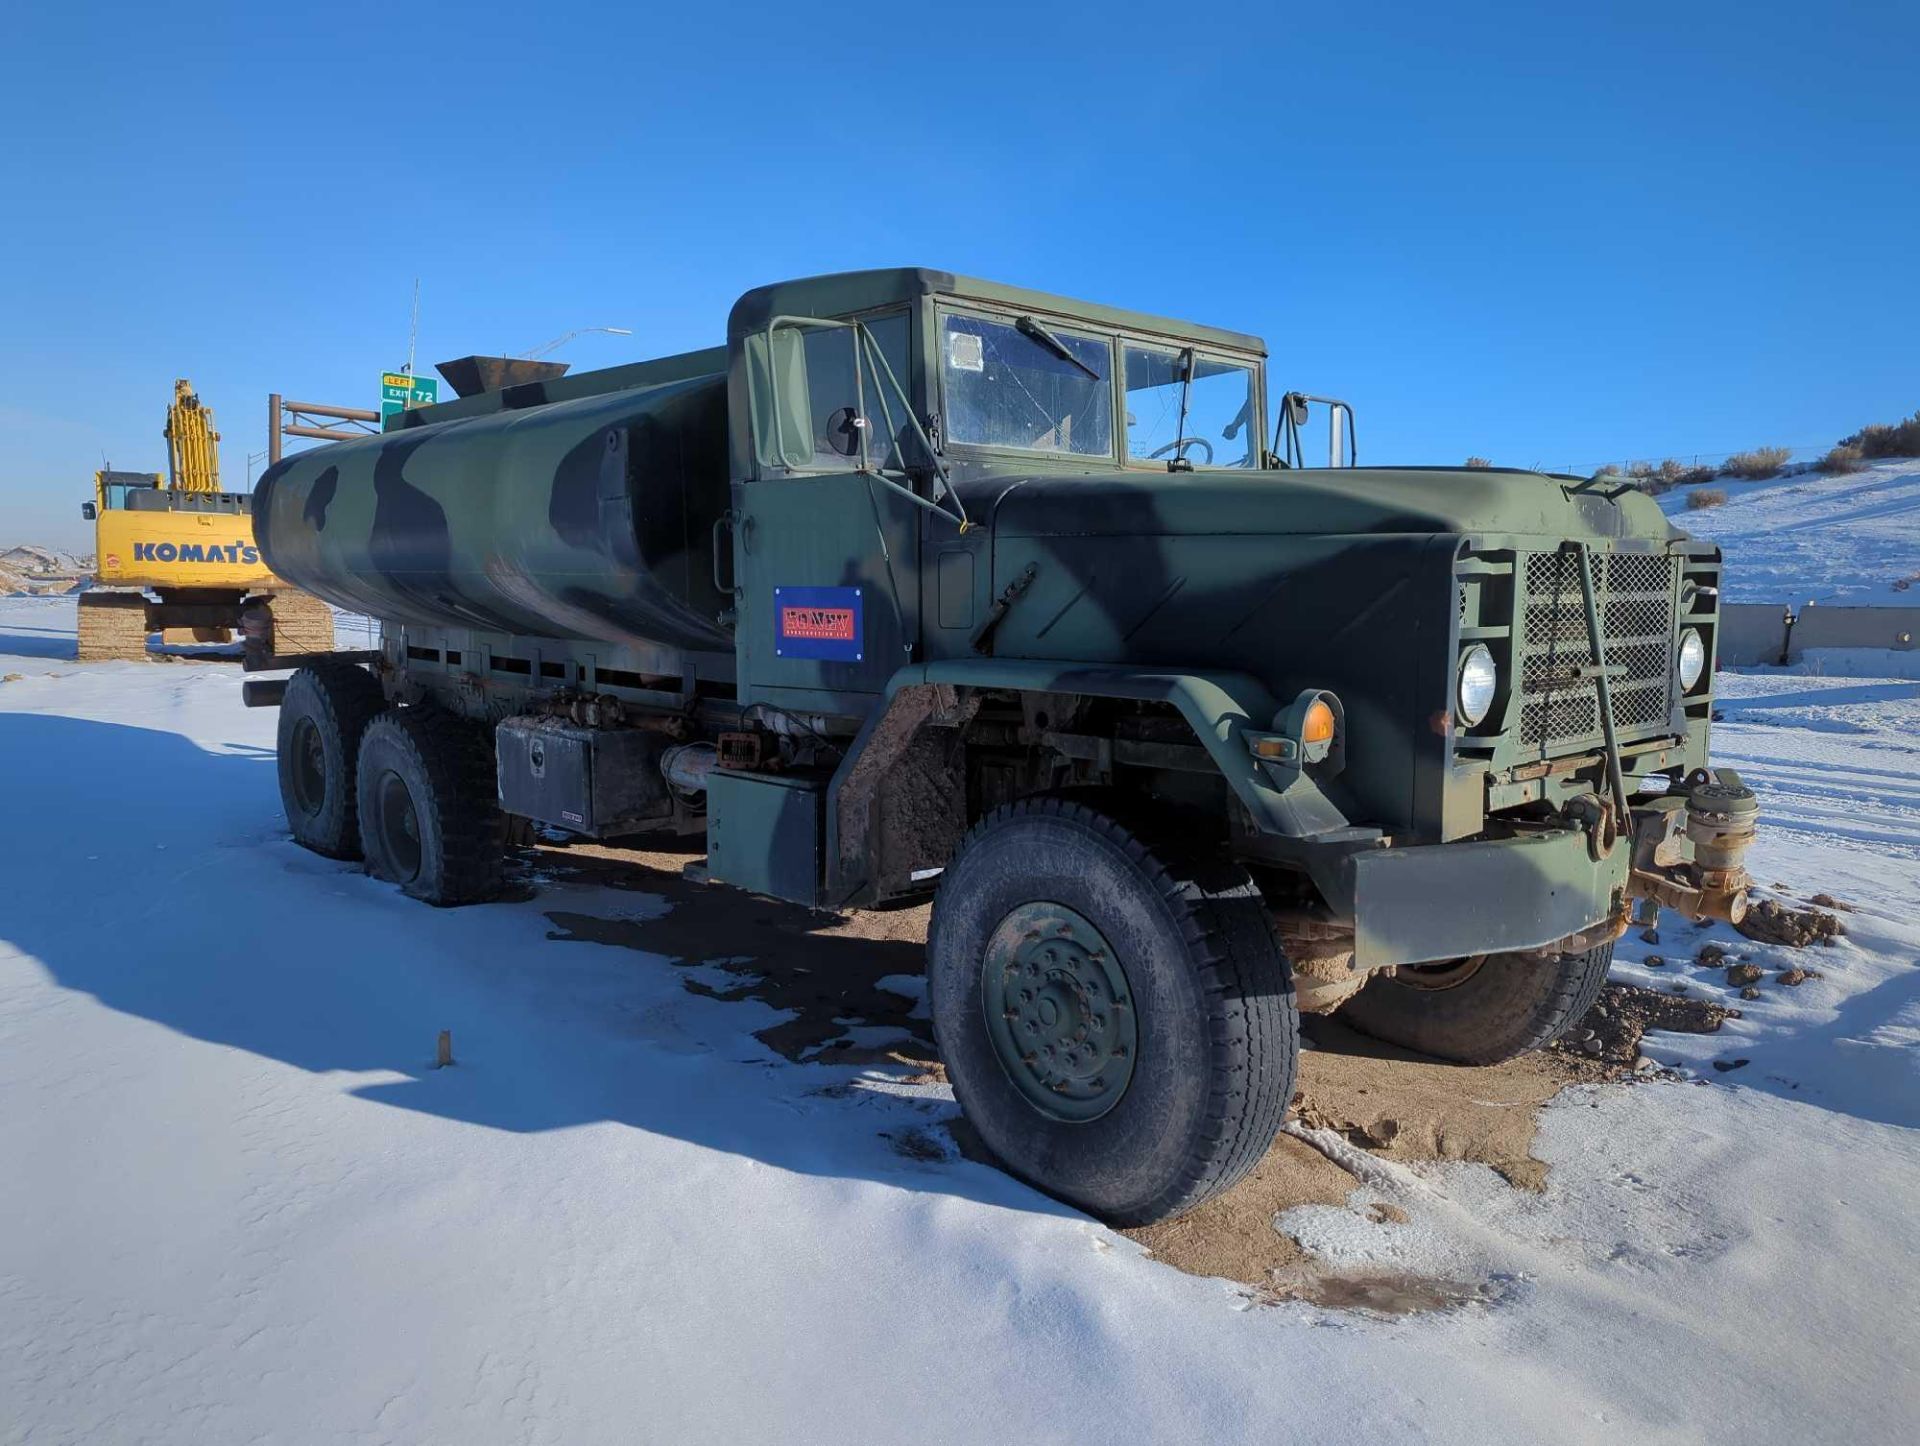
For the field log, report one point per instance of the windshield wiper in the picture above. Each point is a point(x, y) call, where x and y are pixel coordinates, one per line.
point(1027, 326)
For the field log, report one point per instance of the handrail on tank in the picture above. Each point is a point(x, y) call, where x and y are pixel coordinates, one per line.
point(863, 342)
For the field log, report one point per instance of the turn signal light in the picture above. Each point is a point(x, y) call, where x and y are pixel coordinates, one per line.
point(1317, 726)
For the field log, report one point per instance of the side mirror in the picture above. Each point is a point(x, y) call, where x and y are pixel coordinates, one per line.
point(1296, 406)
point(89, 511)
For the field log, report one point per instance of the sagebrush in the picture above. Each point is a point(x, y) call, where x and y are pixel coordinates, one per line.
point(1896, 439)
point(1705, 497)
point(1761, 462)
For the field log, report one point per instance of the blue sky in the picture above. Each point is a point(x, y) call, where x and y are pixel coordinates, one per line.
point(1544, 234)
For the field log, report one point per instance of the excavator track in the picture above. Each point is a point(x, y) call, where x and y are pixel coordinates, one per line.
point(302, 623)
point(112, 627)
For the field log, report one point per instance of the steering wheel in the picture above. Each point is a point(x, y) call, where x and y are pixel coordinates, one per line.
point(1180, 442)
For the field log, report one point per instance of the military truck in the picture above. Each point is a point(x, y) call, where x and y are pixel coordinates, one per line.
point(924, 585)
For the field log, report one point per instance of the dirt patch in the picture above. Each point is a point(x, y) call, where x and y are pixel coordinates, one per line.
point(1405, 1106)
point(830, 965)
point(1773, 923)
point(1389, 1102)
point(1375, 1292)
point(1234, 1235)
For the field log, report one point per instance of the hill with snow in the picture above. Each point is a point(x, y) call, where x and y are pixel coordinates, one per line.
point(1805, 537)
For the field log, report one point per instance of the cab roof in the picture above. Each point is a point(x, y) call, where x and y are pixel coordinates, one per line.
point(855, 291)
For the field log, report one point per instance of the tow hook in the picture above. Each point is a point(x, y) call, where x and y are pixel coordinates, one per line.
point(1715, 821)
point(1601, 821)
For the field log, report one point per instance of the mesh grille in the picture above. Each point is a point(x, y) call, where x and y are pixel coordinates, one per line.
point(1560, 710)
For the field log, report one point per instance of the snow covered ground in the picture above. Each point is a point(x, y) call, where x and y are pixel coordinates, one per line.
point(238, 1204)
point(1808, 538)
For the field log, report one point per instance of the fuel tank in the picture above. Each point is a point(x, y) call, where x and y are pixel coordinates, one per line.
point(588, 518)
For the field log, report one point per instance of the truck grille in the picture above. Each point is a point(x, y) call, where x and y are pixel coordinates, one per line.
point(1558, 709)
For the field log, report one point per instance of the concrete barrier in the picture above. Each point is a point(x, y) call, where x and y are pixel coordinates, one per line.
point(1818, 627)
point(1752, 634)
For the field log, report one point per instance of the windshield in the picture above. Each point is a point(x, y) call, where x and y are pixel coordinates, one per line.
point(1007, 387)
point(1218, 430)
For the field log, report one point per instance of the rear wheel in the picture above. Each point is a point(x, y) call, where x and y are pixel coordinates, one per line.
point(429, 819)
point(1483, 1009)
point(1116, 1016)
point(322, 718)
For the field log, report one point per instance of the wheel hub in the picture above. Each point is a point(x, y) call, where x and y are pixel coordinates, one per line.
point(1449, 974)
point(399, 827)
point(309, 760)
point(1059, 1011)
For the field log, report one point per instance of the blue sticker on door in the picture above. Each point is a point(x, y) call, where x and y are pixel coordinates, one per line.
point(827, 623)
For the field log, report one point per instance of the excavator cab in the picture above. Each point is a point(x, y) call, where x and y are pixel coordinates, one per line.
point(122, 491)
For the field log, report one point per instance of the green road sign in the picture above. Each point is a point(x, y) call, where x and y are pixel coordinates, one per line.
point(402, 391)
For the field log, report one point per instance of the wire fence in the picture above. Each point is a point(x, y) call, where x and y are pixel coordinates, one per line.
point(1801, 452)
point(354, 632)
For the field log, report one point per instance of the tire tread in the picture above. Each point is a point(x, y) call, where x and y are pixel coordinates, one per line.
point(1255, 1026)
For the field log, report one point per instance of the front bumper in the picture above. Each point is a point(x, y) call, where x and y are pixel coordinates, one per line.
point(1493, 896)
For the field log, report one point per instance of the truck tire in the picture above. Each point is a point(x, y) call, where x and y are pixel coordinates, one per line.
point(429, 817)
point(1117, 1018)
point(1482, 1010)
point(322, 717)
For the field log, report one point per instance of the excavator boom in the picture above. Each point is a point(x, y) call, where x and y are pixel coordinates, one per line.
point(193, 453)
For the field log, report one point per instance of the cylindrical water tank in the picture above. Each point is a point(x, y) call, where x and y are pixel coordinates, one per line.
point(590, 518)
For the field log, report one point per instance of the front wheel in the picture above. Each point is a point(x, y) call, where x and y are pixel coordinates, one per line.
point(1483, 1009)
point(1117, 1017)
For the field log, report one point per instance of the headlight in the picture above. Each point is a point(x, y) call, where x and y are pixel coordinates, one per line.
point(1478, 678)
point(1693, 659)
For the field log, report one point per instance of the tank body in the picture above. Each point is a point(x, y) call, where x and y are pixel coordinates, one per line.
point(584, 519)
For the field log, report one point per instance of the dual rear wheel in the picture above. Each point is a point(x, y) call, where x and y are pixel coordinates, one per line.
point(410, 790)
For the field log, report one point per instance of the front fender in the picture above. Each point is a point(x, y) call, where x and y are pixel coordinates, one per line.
point(1219, 707)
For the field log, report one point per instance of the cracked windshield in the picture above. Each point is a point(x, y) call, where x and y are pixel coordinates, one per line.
point(1027, 385)
point(1218, 427)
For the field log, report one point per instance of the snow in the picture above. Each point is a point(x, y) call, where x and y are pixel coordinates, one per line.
point(1803, 537)
point(237, 1203)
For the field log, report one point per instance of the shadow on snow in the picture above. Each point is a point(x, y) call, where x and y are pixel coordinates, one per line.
point(160, 880)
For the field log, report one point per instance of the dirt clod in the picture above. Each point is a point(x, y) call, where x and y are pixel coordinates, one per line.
point(1710, 956)
point(1773, 923)
point(1654, 961)
point(1652, 936)
point(1385, 1212)
point(1749, 993)
point(1738, 974)
point(1727, 1065)
point(1791, 977)
point(1625, 1012)
point(1825, 901)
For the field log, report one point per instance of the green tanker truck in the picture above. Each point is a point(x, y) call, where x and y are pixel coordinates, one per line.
point(923, 585)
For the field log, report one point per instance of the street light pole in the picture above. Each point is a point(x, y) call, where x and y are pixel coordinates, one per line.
point(562, 340)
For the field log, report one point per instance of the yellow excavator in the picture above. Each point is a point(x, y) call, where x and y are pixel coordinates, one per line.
point(176, 556)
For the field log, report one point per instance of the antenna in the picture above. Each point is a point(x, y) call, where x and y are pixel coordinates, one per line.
point(413, 332)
